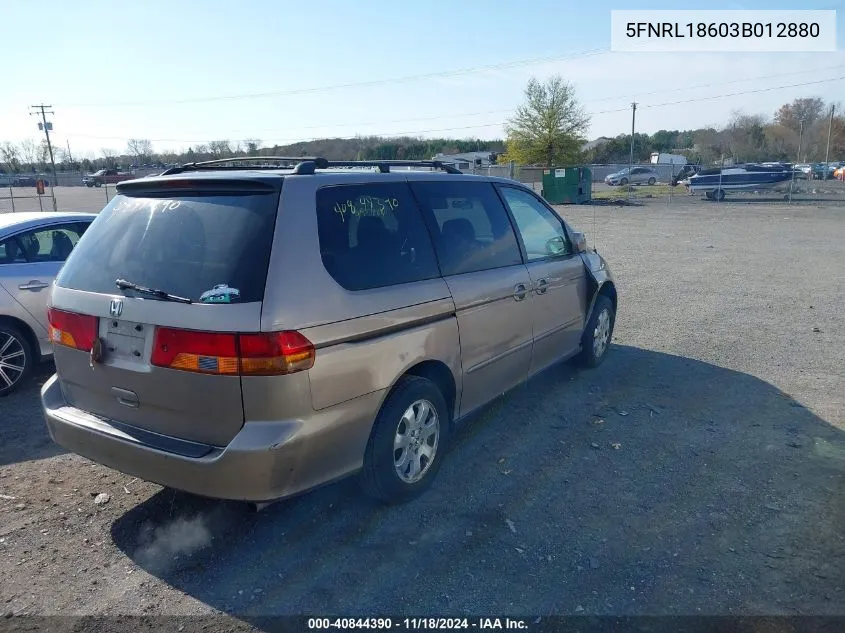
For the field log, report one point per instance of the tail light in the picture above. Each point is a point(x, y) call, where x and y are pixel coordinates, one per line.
point(275, 353)
point(72, 330)
point(265, 354)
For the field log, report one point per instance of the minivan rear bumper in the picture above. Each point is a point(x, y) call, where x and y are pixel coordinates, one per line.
point(265, 461)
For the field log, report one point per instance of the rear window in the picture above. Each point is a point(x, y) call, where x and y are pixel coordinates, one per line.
point(211, 248)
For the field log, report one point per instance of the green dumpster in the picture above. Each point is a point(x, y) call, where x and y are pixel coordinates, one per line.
point(567, 185)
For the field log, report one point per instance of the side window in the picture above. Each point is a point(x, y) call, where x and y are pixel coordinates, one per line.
point(471, 228)
point(372, 235)
point(52, 244)
point(11, 252)
point(541, 230)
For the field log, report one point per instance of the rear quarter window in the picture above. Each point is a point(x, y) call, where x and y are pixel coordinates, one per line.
point(372, 236)
point(187, 245)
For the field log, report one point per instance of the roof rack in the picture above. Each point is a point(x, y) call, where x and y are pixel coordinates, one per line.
point(304, 165)
point(385, 165)
point(220, 163)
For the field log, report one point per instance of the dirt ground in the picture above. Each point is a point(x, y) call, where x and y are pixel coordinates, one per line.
point(699, 471)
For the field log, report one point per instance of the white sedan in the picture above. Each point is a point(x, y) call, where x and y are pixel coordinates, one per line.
point(33, 248)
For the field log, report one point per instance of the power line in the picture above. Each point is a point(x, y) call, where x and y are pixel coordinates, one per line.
point(500, 123)
point(746, 92)
point(359, 84)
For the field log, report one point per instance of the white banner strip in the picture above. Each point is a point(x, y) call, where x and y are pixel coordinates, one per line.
point(723, 31)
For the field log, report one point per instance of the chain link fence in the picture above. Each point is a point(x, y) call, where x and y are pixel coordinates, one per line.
point(72, 195)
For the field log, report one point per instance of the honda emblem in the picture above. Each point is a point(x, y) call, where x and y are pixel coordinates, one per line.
point(116, 308)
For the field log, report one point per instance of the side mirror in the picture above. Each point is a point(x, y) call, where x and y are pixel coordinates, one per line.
point(579, 241)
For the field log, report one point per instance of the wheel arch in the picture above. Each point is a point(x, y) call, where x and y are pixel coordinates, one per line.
point(439, 373)
point(24, 328)
point(605, 289)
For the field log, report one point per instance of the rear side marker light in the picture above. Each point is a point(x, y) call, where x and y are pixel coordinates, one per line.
point(72, 330)
point(264, 354)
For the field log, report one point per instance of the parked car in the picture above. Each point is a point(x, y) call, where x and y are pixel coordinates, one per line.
point(106, 177)
point(30, 180)
point(635, 176)
point(803, 170)
point(256, 340)
point(33, 247)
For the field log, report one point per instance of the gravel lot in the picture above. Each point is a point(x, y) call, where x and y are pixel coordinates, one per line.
point(700, 470)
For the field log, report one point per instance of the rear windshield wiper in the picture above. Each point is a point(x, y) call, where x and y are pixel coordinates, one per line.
point(161, 294)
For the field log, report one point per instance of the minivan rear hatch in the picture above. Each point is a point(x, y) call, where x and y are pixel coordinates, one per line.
point(151, 311)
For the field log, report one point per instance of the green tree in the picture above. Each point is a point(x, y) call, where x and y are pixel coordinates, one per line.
point(549, 128)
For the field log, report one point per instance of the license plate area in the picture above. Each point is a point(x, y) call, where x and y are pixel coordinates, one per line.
point(126, 343)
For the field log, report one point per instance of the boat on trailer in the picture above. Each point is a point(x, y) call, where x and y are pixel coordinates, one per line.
point(750, 177)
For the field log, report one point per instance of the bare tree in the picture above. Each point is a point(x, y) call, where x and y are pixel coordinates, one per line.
point(220, 149)
point(252, 146)
point(140, 148)
point(109, 156)
point(746, 136)
point(29, 151)
point(11, 156)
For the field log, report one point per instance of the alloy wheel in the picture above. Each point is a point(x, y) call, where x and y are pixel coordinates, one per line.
point(601, 334)
point(12, 360)
point(415, 442)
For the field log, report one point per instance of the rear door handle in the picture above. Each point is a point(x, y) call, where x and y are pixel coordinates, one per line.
point(542, 286)
point(520, 292)
point(33, 285)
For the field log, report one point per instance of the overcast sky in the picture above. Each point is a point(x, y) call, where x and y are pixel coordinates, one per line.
point(181, 73)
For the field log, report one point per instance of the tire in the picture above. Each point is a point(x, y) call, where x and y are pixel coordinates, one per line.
point(380, 477)
point(718, 195)
point(623, 182)
point(593, 354)
point(98, 184)
point(16, 359)
point(89, 185)
point(651, 181)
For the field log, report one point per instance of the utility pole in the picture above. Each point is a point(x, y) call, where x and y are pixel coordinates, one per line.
point(631, 162)
point(44, 125)
point(827, 151)
point(633, 120)
point(800, 137)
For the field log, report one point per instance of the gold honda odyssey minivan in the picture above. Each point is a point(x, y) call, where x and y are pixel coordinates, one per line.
point(251, 331)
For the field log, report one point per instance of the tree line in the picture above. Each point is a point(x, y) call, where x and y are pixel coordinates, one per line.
point(549, 128)
point(30, 156)
point(797, 132)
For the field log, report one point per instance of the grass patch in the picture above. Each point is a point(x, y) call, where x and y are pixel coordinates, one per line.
point(639, 191)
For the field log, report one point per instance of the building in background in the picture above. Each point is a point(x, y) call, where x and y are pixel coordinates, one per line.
point(468, 160)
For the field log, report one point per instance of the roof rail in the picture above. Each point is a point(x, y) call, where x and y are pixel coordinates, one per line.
point(305, 165)
point(385, 165)
point(221, 162)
